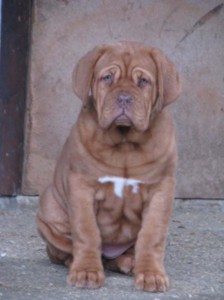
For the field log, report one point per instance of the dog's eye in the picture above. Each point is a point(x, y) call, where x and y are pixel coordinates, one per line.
point(107, 78)
point(142, 82)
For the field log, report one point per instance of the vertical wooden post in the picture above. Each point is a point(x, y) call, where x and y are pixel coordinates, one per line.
point(15, 19)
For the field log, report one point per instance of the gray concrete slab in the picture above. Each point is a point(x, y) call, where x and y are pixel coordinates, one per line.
point(194, 257)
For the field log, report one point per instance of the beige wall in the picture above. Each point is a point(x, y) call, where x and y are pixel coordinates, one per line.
point(63, 30)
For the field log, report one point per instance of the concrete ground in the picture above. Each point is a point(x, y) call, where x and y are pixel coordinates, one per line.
point(194, 257)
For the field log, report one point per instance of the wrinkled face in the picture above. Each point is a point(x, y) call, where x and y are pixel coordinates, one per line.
point(124, 88)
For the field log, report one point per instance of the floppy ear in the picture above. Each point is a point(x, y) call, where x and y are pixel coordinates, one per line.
point(168, 81)
point(83, 72)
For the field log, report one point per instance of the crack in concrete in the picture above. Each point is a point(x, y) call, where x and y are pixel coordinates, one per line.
point(202, 21)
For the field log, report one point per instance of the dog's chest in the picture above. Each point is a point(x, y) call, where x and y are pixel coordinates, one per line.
point(119, 209)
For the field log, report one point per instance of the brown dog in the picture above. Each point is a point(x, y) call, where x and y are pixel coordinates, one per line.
point(114, 183)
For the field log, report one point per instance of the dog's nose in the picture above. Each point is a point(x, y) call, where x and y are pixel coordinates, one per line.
point(124, 100)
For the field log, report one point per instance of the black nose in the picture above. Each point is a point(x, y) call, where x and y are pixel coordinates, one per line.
point(124, 100)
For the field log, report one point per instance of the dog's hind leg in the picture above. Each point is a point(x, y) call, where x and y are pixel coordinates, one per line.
point(57, 256)
point(123, 263)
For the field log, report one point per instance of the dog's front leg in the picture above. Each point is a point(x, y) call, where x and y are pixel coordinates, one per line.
point(149, 269)
point(86, 270)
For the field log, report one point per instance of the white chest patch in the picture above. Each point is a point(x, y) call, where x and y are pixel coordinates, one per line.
point(120, 183)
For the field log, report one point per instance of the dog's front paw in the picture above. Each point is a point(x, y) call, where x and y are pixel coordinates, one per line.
point(92, 279)
point(152, 281)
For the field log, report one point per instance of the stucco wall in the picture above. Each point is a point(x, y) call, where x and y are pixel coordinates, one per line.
point(191, 33)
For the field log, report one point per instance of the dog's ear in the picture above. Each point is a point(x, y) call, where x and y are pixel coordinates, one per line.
point(168, 81)
point(83, 72)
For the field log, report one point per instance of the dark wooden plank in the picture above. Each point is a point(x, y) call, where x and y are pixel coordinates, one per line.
point(15, 38)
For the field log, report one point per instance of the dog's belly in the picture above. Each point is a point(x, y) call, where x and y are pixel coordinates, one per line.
point(119, 219)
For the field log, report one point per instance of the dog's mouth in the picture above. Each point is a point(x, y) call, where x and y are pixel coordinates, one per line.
point(123, 129)
point(123, 124)
point(122, 120)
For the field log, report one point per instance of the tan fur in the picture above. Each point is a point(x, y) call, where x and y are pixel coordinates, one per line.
point(77, 214)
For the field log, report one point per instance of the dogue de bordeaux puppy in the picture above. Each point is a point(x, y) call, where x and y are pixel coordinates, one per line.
point(111, 197)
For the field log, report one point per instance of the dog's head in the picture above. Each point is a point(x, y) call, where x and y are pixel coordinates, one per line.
point(129, 83)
